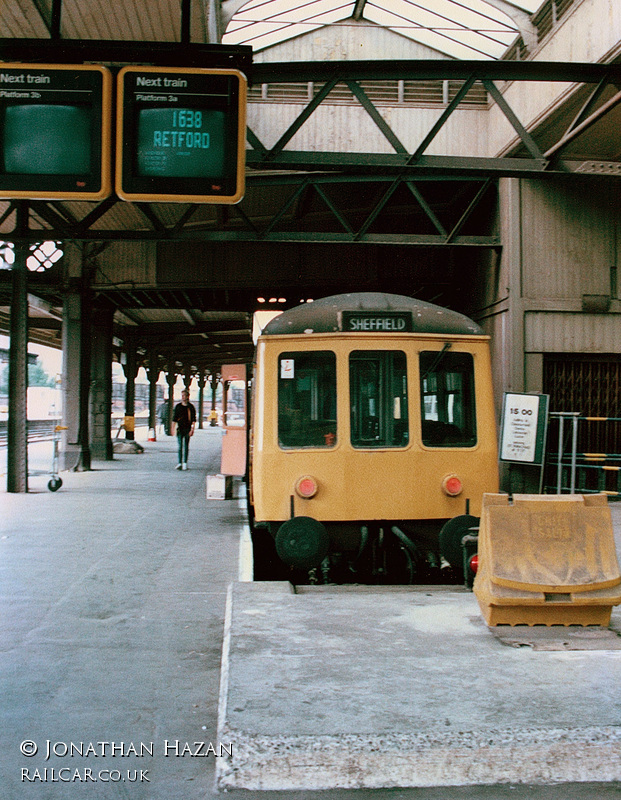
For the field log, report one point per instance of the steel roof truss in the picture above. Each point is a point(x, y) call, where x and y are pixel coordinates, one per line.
point(301, 119)
point(287, 205)
point(586, 123)
point(240, 211)
point(147, 211)
point(521, 131)
point(588, 106)
point(183, 219)
point(426, 207)
point(378, 208)
point(464, 217)
point(442, 120)
point(339, 217)
point(377, 118)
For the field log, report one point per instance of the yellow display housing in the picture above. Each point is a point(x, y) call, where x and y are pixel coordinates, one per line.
point(181, 135)
point(56, 122)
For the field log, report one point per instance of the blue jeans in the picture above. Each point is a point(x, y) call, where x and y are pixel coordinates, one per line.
point(183, 440)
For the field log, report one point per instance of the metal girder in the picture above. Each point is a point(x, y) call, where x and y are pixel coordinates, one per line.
point(172, 54)
point(440, 69)
point(284, 225)
point(352, 73)
point(269, 168)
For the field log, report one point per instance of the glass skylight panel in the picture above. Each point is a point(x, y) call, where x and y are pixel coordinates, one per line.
point(487, 10)
point(253, 30)
point(269, 35)
point(426, 18)
point(486, 41)
point(271, 10)
point(443, 14)
point(458, 28)
point(444, 43)
point(316, 10)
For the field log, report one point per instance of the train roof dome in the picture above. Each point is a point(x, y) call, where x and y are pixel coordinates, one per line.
point(324, 315)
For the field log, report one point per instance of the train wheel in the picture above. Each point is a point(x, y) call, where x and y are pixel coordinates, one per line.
point(451, 535)
point(302, 542)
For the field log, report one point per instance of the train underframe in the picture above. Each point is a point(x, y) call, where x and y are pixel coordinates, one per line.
point(376, 552)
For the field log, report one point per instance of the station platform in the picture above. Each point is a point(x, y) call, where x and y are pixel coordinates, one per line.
point(137, 656)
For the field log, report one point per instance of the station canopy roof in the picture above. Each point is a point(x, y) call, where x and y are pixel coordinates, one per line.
point(461, 29)
point(457, 29)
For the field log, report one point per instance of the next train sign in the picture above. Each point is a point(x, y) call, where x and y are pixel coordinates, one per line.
point(181, 135)
point(376, 321)
point(55, 134)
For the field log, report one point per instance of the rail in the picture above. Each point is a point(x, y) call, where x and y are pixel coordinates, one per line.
point(42, 430)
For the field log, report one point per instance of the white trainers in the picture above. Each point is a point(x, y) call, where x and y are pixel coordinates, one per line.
point(185, 466)
point(179, 466)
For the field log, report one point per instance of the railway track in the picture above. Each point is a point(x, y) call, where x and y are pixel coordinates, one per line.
point(41, 430)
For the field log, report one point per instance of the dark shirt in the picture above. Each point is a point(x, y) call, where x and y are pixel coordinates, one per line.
point(184, 416)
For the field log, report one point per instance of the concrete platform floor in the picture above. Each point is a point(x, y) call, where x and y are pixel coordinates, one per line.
point(113, 597)
point(408, 688)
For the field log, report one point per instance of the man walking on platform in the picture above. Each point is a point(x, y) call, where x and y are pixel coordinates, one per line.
point(183, 422)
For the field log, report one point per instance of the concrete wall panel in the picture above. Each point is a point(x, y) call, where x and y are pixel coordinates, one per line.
point(561, 332)
point(569, 243)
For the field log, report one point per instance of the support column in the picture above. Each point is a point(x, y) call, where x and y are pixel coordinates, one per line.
point(71, 330)
point(153, 373)
point(76, 374)
point(101, 382)
point(213, 380)
point(201, 395)
point(86, 332)
point(17, 453)
point(130, 368)
point(171, 378)
point(187, 379)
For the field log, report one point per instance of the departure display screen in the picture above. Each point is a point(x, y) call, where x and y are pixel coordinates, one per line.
point(55, 131)
point(181, 142)
point(36, 140)
point(181, 135)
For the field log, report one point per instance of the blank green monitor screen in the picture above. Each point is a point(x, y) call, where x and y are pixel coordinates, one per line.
point(46, 140)
point(181, 143)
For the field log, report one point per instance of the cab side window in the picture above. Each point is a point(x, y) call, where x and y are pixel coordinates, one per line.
point(307, 399)
point(447, 399)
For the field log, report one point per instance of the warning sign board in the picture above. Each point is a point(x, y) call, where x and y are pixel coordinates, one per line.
point(524, 427)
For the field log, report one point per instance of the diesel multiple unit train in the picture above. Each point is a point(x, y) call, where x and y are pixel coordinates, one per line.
point(373, 439)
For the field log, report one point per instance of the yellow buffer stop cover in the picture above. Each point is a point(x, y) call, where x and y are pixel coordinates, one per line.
point(547, 559)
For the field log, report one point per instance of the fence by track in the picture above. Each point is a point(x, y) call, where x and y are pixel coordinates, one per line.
point(41, 430)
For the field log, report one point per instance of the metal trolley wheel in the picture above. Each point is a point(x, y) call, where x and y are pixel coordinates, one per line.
point(54, 484)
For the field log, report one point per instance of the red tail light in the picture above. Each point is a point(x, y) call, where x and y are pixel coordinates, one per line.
point(306, 487)
point(452, 485)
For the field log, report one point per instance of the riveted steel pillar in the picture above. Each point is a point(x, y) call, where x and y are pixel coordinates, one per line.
point(171, 377)
point(201, 395)
point(100, 420)
point(153, 374)
point(130, 368)
point(17, 453)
